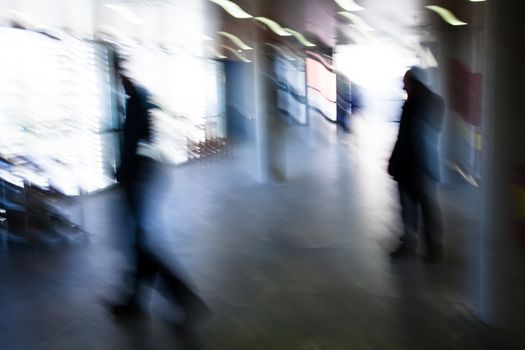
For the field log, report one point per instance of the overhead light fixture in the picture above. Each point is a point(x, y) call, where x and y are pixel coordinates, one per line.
point(219, 55)
point(349, 5)
point(357, 21)
point(216, 53)
point(446, 15)
point(274, 26)
point(232, 50)
point(477, 0)
point(236, 40)
point(125, 13)
point(232, 8)
point(300, 37)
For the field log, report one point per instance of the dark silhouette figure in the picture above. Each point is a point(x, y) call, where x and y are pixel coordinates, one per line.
point(142, 181)
point(414, 164)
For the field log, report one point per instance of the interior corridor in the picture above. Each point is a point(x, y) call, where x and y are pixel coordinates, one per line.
point(301, 264)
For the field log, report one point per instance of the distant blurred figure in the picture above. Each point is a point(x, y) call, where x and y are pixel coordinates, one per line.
point(343, 102)
point(356, 96)
point(414, 164)
point(144, 186)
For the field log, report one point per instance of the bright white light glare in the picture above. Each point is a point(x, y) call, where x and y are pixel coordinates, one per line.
point(125, 13)
point(236, 40)
point(447, 16)
point(477, 0)
point(207, 38)
point(300, 37)
point(274, 26)
point(232, 8)
point(349, 5)
point(357, 21)
point(241, 57)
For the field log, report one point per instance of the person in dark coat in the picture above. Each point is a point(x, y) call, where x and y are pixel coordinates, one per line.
point(144, 187)
point(414, 164)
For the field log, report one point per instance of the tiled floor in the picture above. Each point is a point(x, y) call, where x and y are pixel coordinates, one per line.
point(296, 265)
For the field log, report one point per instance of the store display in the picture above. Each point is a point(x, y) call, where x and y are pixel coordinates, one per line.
point(52, 107)
point(53, 111)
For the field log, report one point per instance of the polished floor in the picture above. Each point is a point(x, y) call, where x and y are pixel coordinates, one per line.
point(299, 265)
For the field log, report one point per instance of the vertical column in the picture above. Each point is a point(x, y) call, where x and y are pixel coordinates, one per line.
point(269, 130)
point(502, 302)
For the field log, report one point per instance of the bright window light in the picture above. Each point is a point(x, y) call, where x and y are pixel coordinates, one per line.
point(125, 13)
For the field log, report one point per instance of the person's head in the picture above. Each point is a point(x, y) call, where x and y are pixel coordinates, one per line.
point(414, 78)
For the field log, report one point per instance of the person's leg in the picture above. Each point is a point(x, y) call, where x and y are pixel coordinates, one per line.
point(142, 267)
point(432, 221)
point(177, 289)
point(410, 219)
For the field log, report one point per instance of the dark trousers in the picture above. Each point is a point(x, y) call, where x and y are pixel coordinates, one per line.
point(147, 265)
point(419, 204)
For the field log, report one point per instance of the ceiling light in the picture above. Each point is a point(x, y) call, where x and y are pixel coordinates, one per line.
point(477, 0)
point(357, 21)
point(241, 57)
point(232, 8)
point(220, 55)
point(349, 5)
point(216, 53)
point(125, 13)
point(447, 16)
point(299, 37)
point(236, 40)
point(274, 26)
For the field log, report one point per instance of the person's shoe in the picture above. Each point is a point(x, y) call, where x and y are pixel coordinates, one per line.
point(403, 251)
point(196, 313)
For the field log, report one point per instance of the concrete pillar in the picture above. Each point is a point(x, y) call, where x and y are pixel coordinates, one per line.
point(270, 145)
point(502, 286)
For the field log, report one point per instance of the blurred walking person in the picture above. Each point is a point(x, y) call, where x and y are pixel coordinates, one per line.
point(414, 164)
point(145, 188)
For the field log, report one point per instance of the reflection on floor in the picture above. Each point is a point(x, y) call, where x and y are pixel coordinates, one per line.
point(295, 265)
